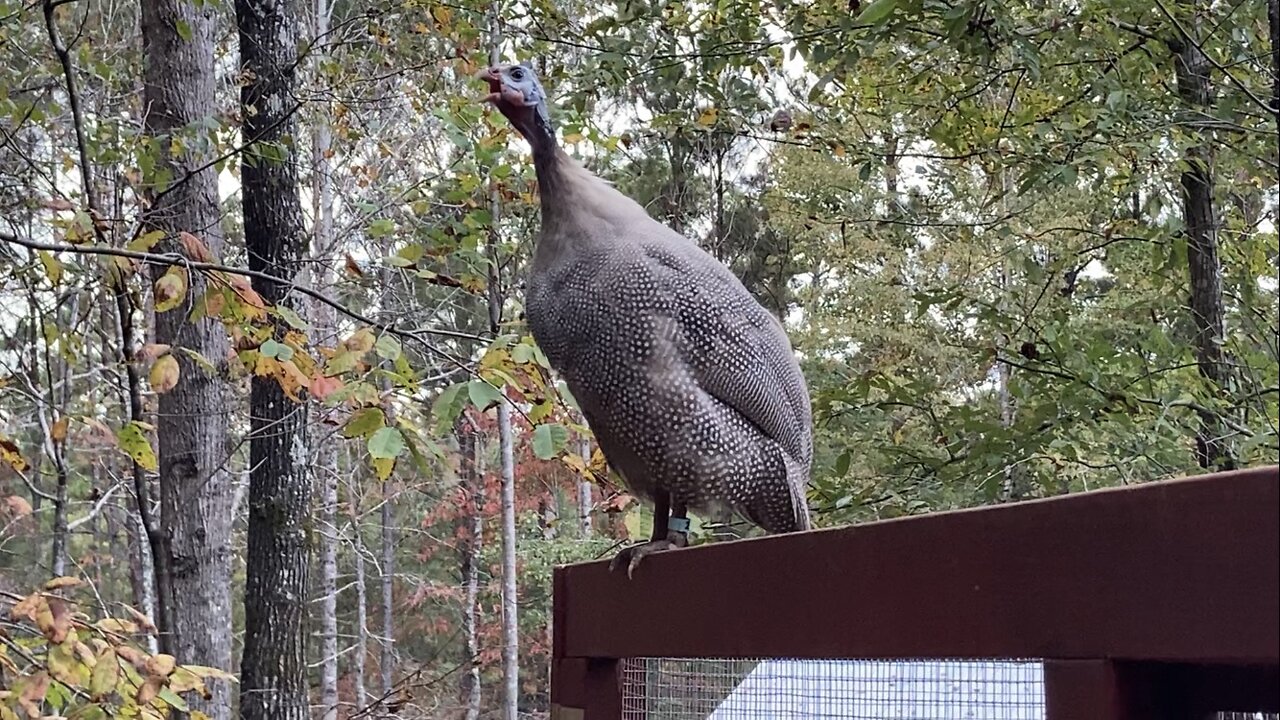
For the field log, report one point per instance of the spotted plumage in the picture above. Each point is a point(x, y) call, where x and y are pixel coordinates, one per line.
point(689, 385)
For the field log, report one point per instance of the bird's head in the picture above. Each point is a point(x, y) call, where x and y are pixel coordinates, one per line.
point(516, 92)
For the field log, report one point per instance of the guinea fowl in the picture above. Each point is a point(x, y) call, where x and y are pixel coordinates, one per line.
point(689, 385)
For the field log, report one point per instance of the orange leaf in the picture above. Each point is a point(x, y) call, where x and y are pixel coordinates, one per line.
point(352, 266)
point(17, 506)
point(322, 386)
point(291, 378)
point(59, 429)
point(164, 374)
point(195, 247)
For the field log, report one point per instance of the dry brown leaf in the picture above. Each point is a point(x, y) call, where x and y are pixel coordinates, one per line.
point(66, 581)
point(160, 665)
point(141, 618)
point(151, 351)
point(149, 690)
point(132, 655)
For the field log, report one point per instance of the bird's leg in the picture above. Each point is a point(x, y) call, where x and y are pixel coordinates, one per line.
point(668, 532)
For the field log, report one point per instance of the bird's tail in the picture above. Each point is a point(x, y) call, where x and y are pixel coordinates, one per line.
point(798, 480)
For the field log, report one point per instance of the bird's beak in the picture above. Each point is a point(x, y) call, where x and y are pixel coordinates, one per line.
point(492, 76)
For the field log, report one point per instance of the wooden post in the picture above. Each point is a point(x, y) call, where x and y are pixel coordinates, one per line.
point(1083, 690)
point(586, 689)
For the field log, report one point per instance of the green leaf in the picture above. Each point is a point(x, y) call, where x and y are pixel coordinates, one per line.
point(184, 30)
point(447, 405)
point(173, 699)
point(345, 361)
point(272, 349)
point(521, 354)
point(387, 443)
point(876, 11)
point(483, 394)
point(133, 441)
point(364, 422)
point(294, 320)
point(842, 463)
point(549, 440)
point(387, 347)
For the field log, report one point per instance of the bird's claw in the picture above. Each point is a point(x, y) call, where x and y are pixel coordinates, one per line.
point(632, 555)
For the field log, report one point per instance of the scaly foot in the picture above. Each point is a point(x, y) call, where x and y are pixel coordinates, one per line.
point(631, 556)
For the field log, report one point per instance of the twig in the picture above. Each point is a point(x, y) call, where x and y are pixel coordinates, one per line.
point(93, 512)
point(174, 259)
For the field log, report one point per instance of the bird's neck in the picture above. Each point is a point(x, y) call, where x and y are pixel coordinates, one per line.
point(578, 208)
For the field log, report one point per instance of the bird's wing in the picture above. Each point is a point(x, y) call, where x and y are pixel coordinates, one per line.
point(737, 350)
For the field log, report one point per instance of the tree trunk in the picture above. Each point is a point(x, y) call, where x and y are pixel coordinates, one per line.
point(362, 607)
point(273, 668)
point(191, 421)
point(326, 454)
point(1213, 446)
point(510, 622)
point(473, 486)
point(387, 661)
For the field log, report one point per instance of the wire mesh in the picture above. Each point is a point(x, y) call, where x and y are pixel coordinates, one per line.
point(784, 689)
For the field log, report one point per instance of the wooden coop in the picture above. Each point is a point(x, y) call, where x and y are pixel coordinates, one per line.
point(1154, 601)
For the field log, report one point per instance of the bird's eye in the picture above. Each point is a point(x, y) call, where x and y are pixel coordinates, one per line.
point(517, 74)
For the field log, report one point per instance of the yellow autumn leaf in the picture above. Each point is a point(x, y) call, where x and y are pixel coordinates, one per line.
point(106, 673)
point(708, 117)
point(360, 341)
point(164, 374)
point(170, 289)
point(146, 241)
point(10, 454)
point(52, 267)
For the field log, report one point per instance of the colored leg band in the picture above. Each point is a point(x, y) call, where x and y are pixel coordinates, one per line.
point(678, 524)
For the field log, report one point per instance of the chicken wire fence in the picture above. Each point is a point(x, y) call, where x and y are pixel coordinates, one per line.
point(785, 689)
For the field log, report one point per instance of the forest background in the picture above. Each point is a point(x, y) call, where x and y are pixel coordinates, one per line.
point(276, 442)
